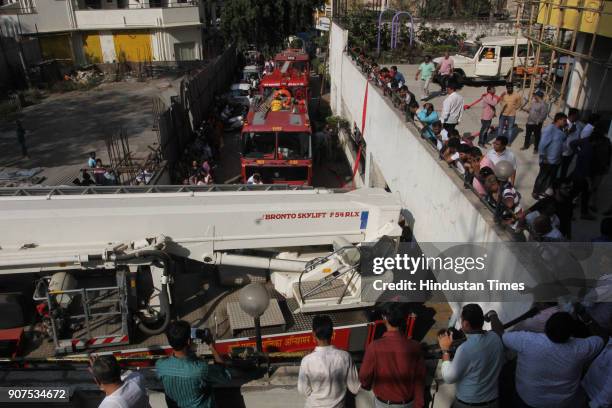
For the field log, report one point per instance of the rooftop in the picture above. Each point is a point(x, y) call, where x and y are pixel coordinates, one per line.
point(286, 121)
point(292, 55)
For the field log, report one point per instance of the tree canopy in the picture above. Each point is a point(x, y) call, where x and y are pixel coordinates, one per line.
point(265, 22)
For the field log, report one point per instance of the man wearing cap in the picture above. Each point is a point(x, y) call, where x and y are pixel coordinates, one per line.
point(537, 114)
point(510, 104)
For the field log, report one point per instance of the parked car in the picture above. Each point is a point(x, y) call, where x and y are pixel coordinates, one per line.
point(238, 94)
point(250, 73)
point(491, 58)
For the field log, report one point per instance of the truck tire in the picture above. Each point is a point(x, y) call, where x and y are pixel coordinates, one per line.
point(459, 77)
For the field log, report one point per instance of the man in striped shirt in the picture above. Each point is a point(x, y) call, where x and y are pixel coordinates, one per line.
point(188, 380)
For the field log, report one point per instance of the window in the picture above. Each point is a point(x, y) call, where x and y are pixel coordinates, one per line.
point(299, 66)
point(469, 50)
point(487, 53)
point(522, 51)
point(293, 145)
point(258, 145)
point(507, 52)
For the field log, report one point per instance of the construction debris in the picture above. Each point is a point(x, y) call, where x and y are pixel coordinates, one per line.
point(13, 177)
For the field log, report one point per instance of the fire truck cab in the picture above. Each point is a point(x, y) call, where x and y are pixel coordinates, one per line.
point(277, 145)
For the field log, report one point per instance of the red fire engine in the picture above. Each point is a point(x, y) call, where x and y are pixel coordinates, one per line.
point(291, 71)
point(276, 136)
point(277, 143)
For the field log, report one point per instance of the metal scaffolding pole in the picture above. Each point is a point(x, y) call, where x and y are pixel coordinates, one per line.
point(559, 47)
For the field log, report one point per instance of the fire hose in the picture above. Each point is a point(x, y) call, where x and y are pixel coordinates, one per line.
point(164, 298)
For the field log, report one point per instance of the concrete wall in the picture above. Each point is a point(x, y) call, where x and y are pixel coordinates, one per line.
point(50, 16)
point(472, 28)
point(430, 192)
point(58, 16)
point(164, 39)
point(587, 88)
point(435, 204)
point(136, 18)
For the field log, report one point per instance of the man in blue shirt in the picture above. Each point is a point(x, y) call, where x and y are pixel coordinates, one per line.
point(188, 380)
point(398, 76)
point(477, 363)
point(550, 149)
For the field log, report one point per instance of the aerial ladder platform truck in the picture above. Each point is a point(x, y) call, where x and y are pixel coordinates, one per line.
point(97, 269)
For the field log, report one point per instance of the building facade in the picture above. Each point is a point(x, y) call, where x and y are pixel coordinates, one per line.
point(107, 31)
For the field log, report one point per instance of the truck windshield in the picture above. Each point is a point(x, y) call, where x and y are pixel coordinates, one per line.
point(293, 145)
point(258, 145)
point(469, 50)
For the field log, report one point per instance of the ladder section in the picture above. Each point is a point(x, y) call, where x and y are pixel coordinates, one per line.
point(77, 190)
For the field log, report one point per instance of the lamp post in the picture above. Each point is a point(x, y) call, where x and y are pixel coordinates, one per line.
point(254, 300)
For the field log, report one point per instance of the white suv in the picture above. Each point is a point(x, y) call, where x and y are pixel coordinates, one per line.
point(490, 58)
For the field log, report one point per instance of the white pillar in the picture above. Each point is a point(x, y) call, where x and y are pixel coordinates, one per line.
point(367, 178)
point(108, 46)
point(576, 98)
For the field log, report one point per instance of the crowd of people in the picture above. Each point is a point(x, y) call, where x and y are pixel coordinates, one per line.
point(96, 174)
point(202, 155)
point(187, 380)
point(555, 358)
point(562, 361)
point(574, 155)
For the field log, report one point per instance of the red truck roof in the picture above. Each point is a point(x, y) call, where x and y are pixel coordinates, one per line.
point(277, 79)
point(291, 55)
point(285, 121)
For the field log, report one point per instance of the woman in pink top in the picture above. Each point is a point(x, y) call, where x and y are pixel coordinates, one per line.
point(489, 100)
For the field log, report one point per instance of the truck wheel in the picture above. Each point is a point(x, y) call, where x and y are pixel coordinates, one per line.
point(459, 77)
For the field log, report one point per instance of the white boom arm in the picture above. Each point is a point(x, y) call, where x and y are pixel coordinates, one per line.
point(60, 231)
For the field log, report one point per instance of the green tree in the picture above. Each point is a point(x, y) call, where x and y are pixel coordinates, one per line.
point(265, 23)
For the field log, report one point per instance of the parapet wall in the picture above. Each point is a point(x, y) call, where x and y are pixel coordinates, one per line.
point(437, 204)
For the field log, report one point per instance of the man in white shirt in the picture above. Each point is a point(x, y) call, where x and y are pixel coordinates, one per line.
point(327, 372)
point(500, 152)
point(255, 179)
point(549, 366)
point(126, 392)
point(440, 134)
point(452, 107)
point(588, 128)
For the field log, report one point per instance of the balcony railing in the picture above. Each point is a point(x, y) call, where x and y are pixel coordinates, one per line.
point(132, 4)
point(17, 7)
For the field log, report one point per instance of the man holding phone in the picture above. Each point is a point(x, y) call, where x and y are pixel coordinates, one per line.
point(188, 380)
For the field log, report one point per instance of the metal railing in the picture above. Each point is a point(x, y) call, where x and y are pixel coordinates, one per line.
point(101, 190)
point(126, 5)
